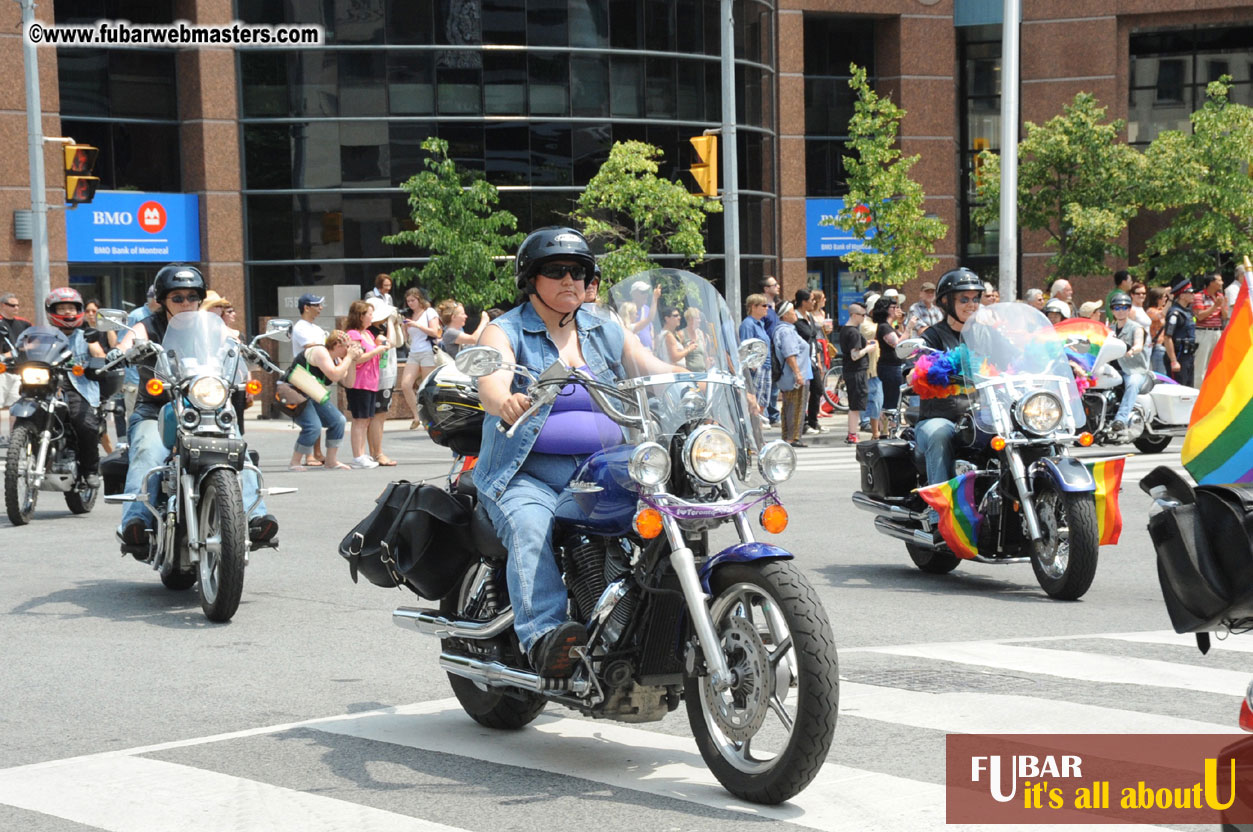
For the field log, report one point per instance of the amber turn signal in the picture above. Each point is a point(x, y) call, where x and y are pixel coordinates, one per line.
point(1086, 439)
point(3, 367)
point(78, 369)
point(648, 523)
point(155, 387)
point(253, 387)
point(998, 443)
point(774, 518)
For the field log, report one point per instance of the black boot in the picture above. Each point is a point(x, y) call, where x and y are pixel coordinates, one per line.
point(551, 657)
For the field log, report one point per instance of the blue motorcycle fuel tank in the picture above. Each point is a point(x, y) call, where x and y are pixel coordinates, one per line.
point(602, 497)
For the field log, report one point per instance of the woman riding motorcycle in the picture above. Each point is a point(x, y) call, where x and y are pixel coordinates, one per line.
point(519, 477)
point(179, 288)
point(64, 308)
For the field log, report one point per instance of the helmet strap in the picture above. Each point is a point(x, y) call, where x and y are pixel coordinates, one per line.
point(566, 319)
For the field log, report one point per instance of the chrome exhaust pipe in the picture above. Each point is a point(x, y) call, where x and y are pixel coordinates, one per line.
point(915, 536)
point(495, 674)
point(982, 559)
point(865, 503)
point(431, 623)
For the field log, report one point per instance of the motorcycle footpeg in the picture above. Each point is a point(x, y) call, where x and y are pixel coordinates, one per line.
point(267, 544)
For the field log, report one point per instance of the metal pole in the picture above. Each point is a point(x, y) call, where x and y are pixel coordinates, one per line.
point(35, 147)
point(1008, 272)
point(730, 169)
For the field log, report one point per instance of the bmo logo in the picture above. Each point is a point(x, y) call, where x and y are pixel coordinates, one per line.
point(112, 218)
point(152, 217)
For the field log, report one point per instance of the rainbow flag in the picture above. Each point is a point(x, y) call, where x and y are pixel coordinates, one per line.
point(959, 514)
point(1218, 448)
point(1108, 476)
point(1094, 332)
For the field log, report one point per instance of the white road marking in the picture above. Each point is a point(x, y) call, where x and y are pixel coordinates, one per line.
point(1230, 644)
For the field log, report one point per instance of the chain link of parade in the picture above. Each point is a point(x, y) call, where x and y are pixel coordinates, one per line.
point(181, 33)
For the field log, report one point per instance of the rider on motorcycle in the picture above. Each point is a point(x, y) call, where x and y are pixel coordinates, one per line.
point(1134, 366)
point(520, 478)
point(179, 288)
point(958, 293)
point(64, 308)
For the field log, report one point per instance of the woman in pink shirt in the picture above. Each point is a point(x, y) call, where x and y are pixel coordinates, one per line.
point(365, 386)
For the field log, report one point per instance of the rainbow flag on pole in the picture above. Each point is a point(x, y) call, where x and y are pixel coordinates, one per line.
point(1218, 448)
point(1108, 476)
point(959, 513)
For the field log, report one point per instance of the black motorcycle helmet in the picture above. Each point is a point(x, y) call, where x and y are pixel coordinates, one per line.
point(178, 276)
point(957, 280)
point(552, 243)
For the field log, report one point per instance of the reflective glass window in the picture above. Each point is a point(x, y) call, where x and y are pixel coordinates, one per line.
point(589, 23)
point(83, 79)
point(89, 11)
point(405, 139)
point(410, 21)
point(141, 84)
point(689, 25)
point(504, 22)
point(590, 149)
point(315, 155)
point(364, 154)
point(504, 83)
point(267, 156)
point(458, 90)
point(832, 43)
point(624, 24)
point(549, 77)
point(410, 83)
point(271, 232)
point(465, 144)
point(659, 28)
point(659, 88)
point(359, 21)
point(314, 79)
point(589, 85)
point(824, 167)
point(263, 82)
point(550, 154)
point(690, 90)
point(361, 91)
point(546, 23)
point(507, 155)
point(458, 22)
point(626, 77)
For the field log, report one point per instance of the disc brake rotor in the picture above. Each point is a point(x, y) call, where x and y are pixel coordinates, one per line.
point(740, 711)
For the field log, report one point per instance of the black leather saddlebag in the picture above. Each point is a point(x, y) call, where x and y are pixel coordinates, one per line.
point(113, 472)
point(887, 467)
point(418, 536)
point(1204, 553)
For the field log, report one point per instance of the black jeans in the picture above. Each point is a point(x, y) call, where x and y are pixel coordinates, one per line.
point(817, 388)
point(85, 425)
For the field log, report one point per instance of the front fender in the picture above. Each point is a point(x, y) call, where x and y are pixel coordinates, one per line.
point(1066, 472)
point(741, 553)
point(24, 409)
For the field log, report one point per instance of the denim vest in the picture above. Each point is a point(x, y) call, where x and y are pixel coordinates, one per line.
point(89, 390)
point(601, 342)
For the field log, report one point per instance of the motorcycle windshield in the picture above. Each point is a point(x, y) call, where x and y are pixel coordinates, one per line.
point(203, 345)
point(692, 376)
point(41, 344)
point(1013, 350)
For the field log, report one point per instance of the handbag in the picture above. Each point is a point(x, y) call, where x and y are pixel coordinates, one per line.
point(442, 359)
point(290, 400)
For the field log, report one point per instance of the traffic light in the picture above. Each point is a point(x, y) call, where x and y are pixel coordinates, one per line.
point(706, 170)
point(80, 185)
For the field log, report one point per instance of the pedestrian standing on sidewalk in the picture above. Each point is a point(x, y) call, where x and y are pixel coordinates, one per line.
point(422, 326)
point(1155, 309)
point(387, 328)
point(755, 307)
point(363, 388)
point(793, 352)
point(855, 351)
point(770, 288)
point(1209, 307)
point(1139, 294)
point(891, 373)
point(807, 329)
point(874, 396)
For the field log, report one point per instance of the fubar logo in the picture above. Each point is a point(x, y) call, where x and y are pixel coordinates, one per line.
point(152, 217)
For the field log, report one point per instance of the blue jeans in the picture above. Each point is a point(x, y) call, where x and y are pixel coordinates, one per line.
point(523, 518)
point(772, 407)
point(1132, 383)
point(147, 451)
point(935, 446)
point(1158, 359)
point(312, 419)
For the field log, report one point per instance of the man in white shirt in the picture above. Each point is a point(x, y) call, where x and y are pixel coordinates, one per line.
point(305, 331)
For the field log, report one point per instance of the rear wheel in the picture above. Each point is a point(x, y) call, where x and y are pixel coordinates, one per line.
point(1064, 558)
point(224, 530)
point(766, 737)
point(932, 561)
point(835, 393)
point(502, 708)
point(1151, 444)
point(82, 499)
point(19, 496)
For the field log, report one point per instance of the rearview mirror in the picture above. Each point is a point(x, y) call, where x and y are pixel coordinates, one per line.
point(906, 349)
point(477, 362)
point(753, 353)
point(279, 329)
point(111, 320)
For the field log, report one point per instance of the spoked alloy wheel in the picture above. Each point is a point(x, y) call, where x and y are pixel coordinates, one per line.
point(1064, 559)
point(766, 737)
point(835, 392)
point(225, 532)
point(19, 497)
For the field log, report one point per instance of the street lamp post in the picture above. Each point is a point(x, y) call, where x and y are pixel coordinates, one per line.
point(730, 165)
point(1008, 271)
point(35, 148)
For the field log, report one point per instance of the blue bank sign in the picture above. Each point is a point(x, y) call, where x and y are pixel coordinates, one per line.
point(828, 240)
point(134, 227)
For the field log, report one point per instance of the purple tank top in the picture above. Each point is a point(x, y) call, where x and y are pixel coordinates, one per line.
point(575, 426)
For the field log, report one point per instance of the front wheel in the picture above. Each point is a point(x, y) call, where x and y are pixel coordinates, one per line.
point(1064, 558)
point(19, 497)
point(224, 530)
point(835, 392)
point(766, 737)
point(1146, 444)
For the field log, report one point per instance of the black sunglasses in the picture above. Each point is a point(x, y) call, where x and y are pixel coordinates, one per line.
point(555, 271)
point(183, 298)
point(1115, 307)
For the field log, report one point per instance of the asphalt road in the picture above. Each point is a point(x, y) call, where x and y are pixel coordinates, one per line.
point(126, 710)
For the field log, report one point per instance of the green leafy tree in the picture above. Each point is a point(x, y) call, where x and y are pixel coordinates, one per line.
point(635, 213)
point(1076, 181)
point(455, 218)
point(1204, 178)
point(883, 207)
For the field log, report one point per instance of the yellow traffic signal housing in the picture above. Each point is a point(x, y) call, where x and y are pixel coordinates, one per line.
point(80, 185)
point(706, 170)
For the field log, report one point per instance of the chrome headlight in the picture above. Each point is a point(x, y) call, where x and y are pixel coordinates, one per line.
point(649, 464)
point(36, 376)
point(1039, 412)
point(207, 392)
point(777, 461)
point(710, 453)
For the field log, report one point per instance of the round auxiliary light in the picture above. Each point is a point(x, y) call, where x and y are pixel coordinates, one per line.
point(649, 464)
point(774, 518)
point(253, 387)
point(777, 461)
point(1086, 439)
point(1039, 412)
point(208, 392)
point(191, 418)
point(648, 523)
point(78, 370)
point(154, 387)
point(710, 453)
point(998, 443)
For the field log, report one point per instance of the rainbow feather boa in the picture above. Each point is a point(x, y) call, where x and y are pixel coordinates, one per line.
point(938, 375)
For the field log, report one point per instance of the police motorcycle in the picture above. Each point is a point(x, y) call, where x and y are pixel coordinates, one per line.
point(1162, 409)
point(1036, 501)
point(201, 522)
point(41, 455)
point(735, 632)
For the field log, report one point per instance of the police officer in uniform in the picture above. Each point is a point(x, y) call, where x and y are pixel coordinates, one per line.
point(1180, 332)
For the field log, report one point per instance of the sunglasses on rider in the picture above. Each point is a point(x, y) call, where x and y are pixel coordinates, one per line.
point(183, 298)
point(1115, 307)
point(968, 299)
point(555, 271)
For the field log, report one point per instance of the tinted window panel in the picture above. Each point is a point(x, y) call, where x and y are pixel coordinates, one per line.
point(267, 156)
point(549, 85)
point(550, 155)
point(589, 23)
point(504, 83)
point(504, 21)
point(589, 86)
point(263, 79)
point(546, 23)
point(508, 158)
point(410, 81)
point(360, 87)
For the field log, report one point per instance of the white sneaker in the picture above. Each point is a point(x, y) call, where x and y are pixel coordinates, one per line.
point(364, 462)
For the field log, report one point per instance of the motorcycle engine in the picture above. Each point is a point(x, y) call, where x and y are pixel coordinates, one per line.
point(591, 565)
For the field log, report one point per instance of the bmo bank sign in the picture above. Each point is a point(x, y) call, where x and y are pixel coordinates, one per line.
point(134, 227)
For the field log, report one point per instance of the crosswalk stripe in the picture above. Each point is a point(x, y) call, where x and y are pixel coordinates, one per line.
point(1087, 667)
point(138, 794)
point(1229, 644)
point(972, 712)
point(841, 797)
